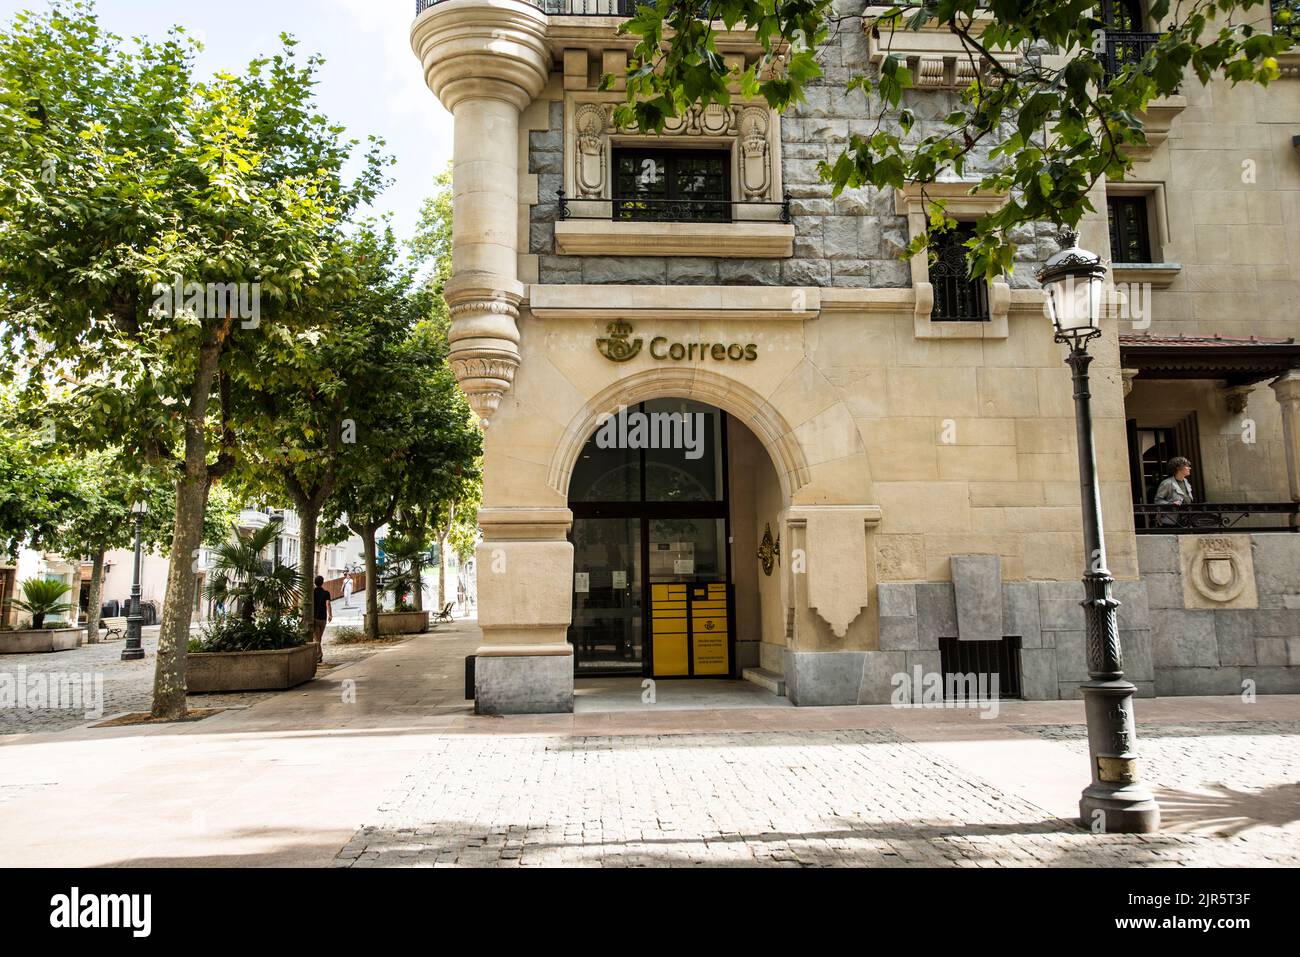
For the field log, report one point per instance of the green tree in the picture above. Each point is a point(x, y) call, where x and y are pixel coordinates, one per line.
point(243, 579)
point(309, 411)
point(416, 444)
point(157, 234)
point(1053, 129)
point(98, 519)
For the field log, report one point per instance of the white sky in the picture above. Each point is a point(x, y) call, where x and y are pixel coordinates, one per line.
point(371, 81)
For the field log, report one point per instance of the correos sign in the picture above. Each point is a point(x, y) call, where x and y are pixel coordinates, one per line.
point(620, 347)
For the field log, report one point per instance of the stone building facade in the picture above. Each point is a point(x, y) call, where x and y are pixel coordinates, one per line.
point(885, 486)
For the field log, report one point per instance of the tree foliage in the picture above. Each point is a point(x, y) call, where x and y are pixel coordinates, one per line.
point(1053, 125)
point(126, 182)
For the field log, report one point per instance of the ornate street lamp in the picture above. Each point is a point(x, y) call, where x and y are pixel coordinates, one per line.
point(134, 651)
point(1115, 801)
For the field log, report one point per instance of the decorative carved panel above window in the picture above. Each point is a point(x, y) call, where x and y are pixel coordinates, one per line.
point(746, 133)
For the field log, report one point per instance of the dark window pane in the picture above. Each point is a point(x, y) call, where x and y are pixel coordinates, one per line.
point(672, 185)
point(687, 467)
point(606, 475)
point(1129, 229)
point(957, 297)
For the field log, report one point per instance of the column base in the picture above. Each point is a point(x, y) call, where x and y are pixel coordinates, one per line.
point(523, 681)
point(1119, 811)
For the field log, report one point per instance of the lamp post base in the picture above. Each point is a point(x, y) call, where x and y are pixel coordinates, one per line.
point(1130, 810)
point(132, 654)
point(1116, 802)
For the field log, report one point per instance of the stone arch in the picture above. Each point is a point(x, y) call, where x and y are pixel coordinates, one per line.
point(740, 401)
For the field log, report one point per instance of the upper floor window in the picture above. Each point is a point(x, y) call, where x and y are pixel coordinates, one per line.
point(1130, 231)
point(1123, 16)
point(672, 185)
point(1127, 37)
point(957, 297)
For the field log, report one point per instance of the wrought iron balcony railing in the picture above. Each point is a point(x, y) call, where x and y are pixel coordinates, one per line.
point(1200, 517)
point(564, 8)
point(675, 210)
point(1125, 48)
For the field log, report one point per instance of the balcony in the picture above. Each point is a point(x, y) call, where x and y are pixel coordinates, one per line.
point(1202, 517)
point(1123, 49)
point(747, 229)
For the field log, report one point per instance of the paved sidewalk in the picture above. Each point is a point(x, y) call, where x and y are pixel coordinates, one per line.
point(127, 686)
point(381, 762)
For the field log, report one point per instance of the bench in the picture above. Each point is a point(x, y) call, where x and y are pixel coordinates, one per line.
point(112, 629)
point(444, 615)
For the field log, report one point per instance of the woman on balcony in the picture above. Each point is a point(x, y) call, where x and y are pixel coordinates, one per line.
point(1176, 490)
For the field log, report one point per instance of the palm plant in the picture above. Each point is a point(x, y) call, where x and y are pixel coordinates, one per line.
point(242, 578)
point(43, 597)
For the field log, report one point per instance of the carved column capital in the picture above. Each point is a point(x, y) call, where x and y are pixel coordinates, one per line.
point(1236, 398)
point(1287, 389)
point(1129, 375)
point(484, 341)
point(483, 48)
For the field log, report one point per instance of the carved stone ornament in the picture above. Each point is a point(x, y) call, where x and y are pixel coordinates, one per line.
point(1216, 569)
point(755, 152)
point(751, 127)
point(591, 123)
point(768, 550)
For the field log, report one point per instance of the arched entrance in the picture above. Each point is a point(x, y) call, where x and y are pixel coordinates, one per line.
point(654, 564)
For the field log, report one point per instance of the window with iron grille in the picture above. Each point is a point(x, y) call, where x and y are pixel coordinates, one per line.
point(1130, 232)
point(983, 659)
point(672, 185)
point(957, 297)
point(1122, 15)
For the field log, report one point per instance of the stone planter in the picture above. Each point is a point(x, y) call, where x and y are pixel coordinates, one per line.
point(401, 622)
point(41, 641)
point(250, 670)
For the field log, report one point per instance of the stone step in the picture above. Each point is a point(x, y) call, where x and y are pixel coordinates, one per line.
point(770, 680)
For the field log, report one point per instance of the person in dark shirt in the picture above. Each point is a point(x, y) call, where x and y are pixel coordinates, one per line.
point(323, 613)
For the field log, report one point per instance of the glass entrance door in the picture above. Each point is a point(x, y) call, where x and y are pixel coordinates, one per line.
point(607, 601)
point(650, 511)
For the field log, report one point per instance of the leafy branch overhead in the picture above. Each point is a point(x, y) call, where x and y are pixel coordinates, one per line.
point(1043, 127)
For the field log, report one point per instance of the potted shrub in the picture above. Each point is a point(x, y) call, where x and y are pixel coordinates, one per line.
point(41, 599)
point(261, 647)
point(266, 653)
point(399, 578)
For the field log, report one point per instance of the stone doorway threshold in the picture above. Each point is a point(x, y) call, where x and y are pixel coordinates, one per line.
point(597, 695)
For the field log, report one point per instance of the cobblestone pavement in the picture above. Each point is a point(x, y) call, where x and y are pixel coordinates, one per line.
point(1211, 776)
point(127, 685)
point(796, 798)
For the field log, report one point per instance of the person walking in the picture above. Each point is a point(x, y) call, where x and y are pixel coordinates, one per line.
point(323, 612)
point(347, 591)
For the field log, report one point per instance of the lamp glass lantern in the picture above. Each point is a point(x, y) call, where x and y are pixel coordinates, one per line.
point(1072, 282)
point(139, 507)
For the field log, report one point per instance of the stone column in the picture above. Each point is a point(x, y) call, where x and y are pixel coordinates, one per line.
point(485, 60)
point(1287, 389)
point(525, 588)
